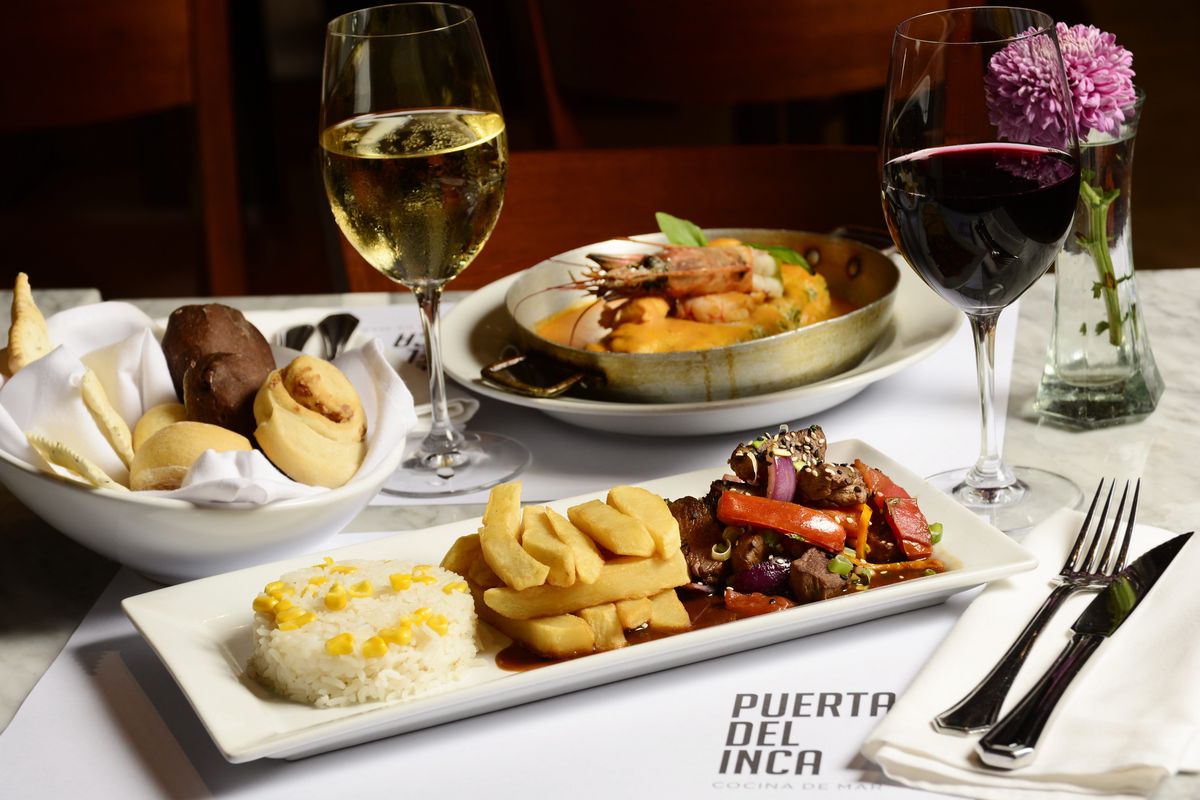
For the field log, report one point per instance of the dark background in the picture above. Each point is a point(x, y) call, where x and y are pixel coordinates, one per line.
point(134, 169)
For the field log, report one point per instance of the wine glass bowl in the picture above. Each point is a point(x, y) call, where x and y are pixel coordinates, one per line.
point(980, 174)
point(415, 161)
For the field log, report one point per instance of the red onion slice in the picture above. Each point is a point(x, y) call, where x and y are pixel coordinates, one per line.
point(781, 479)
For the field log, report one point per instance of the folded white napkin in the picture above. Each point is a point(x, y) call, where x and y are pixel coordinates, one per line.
point(1130, 718)
point(120, 344)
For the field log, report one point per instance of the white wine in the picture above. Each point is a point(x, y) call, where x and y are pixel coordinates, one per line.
point(417, 192)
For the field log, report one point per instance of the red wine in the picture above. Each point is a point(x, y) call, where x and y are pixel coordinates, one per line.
point(980, 223)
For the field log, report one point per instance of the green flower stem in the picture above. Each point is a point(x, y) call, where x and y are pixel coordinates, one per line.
point(1096, 242)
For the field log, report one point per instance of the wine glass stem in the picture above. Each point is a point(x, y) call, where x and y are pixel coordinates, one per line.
point(989, 471)
point(443, 439)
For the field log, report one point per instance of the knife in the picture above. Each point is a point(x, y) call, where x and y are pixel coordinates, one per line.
point(1010, 744)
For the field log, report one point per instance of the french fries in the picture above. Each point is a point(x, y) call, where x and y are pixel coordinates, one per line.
point(621, 579)
point(465, 551)
point(616, 532)
point(540, 541)
point(652, 510)
point(606, 627)
point(570, 585)
point(588, 561)
point(499, 540)
point(634, 613)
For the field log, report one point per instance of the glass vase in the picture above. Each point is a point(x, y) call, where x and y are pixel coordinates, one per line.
point(1099, 369)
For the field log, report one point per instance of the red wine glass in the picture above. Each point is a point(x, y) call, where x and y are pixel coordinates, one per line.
point(980, 174)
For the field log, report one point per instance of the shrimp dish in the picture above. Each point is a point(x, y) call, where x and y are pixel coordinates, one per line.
point(695, 297)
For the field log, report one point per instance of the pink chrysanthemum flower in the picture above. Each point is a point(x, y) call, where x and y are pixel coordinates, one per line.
point(1024, 99)
point(1100, 72)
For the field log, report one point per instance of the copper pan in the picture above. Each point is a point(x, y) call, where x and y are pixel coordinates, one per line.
point(855, 272)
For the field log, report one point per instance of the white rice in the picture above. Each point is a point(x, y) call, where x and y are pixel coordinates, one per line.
point(295, 663)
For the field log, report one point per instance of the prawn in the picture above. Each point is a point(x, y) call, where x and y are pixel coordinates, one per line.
point(674, 272)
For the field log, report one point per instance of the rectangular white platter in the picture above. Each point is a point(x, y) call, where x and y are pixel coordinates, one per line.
point(202, 631)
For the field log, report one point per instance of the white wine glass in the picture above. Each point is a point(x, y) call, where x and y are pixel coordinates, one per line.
point(415, 160)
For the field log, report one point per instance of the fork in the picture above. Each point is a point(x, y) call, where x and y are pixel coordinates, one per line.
point(979, 710)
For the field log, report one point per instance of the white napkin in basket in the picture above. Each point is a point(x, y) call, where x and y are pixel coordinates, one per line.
point(119, 343)
point(1130, 718)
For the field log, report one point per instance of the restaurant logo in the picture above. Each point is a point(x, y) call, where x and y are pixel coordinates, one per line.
point(767, 735)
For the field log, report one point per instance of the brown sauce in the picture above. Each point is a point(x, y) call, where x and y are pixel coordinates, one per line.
point(705, 611)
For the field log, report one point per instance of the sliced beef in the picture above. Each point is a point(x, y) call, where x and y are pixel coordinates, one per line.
point(699, 530)
point(748, 550)
point(811, 580)
point(827, 485)
point(881, 544)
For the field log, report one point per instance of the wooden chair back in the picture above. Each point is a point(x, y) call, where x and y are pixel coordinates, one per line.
point(710, 52)
point(561, 199)
point(75, 62)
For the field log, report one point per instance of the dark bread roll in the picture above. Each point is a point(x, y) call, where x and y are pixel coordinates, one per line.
point(219, 389)
point(198, 330)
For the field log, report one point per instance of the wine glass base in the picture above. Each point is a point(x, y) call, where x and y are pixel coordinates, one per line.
point(1013, 509)
point(483, 460)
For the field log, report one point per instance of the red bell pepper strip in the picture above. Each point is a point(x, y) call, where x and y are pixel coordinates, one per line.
point(754, 603)
point(735, 508)
point(904, 517)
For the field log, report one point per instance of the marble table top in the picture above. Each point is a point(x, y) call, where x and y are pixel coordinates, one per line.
point(33, 629)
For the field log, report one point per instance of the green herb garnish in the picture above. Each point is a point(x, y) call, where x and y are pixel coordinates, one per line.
point(935, 532)
point(784, 255)
point(680, 231)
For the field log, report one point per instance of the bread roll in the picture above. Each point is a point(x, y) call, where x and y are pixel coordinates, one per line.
point(219, 389)
point(198, 330)
point(154, 420)
point(164, 459)
point(311, 422)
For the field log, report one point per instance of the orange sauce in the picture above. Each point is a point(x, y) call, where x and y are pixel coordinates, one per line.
point(805, 300)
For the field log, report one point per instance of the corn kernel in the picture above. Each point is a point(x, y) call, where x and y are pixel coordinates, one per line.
point(400, 581)
point(340, 645)
point(419, 568)
point(301, 620)
point(422, 614)
point(279, 589)
point(264, 604)
point(361, 589)
point(344, 569)
point(282, 605)
point(424, 579)
point(400, 635)
point(326, 563)
point(295, 612)
point(438, 624)
point(317, 580)
point(336, 598)
point(455, 586)
point(375, 647)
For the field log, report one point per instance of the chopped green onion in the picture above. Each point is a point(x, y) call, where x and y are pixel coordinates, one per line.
point(840, 565)
point(721, 551)
point(935, 532)
point(930, 572)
